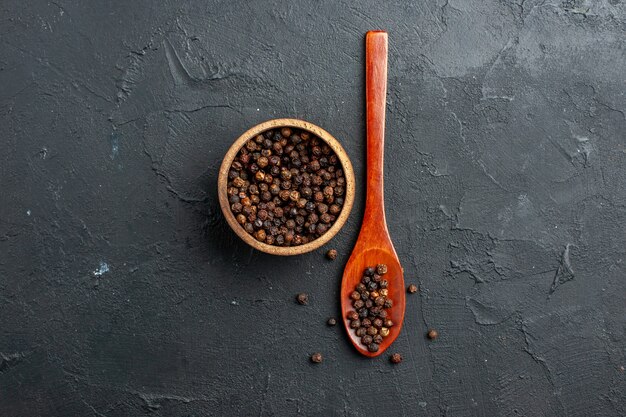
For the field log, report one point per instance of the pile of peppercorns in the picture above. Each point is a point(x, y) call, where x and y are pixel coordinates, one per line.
point(286, 187)
point(370, 301)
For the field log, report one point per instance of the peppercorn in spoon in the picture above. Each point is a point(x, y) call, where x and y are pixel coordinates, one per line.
point(373, 246)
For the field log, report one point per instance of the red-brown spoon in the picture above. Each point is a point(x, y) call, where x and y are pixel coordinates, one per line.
point(374, 244)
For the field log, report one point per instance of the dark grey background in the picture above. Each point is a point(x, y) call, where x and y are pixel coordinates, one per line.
point(124, 293)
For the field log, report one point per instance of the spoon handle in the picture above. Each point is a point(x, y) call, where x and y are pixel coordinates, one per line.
point(376, 98)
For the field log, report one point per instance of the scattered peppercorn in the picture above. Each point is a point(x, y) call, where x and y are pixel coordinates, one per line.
point(412, 289)
point(396, 358)
point(316, 358)
point(332, 254)
point(288, 185)
point(331, 321)
point(302, 298)
point(369, 321)
point(433, 334)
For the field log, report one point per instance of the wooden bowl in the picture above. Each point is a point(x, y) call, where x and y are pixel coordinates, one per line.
point(222, 184)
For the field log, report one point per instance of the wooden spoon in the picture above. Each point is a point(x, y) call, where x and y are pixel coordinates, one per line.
point(374, 244)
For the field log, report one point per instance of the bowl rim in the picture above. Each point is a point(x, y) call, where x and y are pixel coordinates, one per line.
point(326, 138)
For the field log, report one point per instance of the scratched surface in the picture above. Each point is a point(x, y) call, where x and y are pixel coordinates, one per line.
point(123, 292)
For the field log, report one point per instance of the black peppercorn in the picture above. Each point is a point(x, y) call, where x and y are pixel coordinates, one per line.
point(363, 312)
point(360, 332)
point(369, 271)
point(358, 304)
point(260, 235)
point(262, 162)
point(376, 278)
point(372, 286)
point(381, 269)
point(373, 347)
point(236, 207)
point(412, 289)
point(433, 334)
point(321, 229)
point(355, 324)
point(355, 295)
point(316, 358)
point(396, 358)
point(314, 166)
point(366, 340)
point(378, 339)
point(302, 298)
point(331, 321)
point(353, 315)
point(331, 254)
point(334, 209)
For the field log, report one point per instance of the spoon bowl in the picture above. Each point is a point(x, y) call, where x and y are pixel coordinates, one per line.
point(372, 255)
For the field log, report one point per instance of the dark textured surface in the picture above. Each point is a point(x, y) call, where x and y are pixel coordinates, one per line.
point(123, 293)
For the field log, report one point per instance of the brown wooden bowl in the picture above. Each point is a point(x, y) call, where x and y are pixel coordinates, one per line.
point(222, 184)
